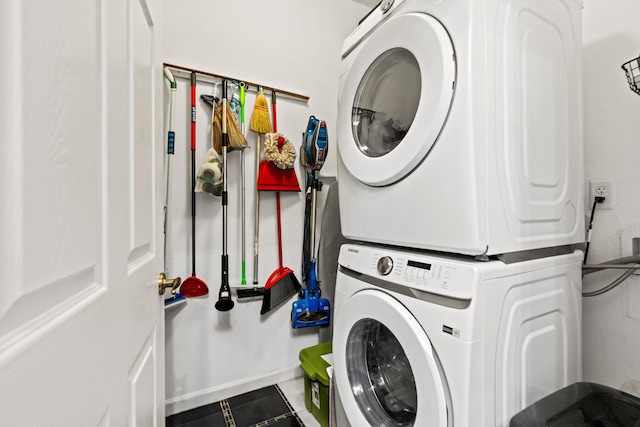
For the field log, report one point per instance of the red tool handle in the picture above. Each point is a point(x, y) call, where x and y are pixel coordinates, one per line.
point(275, 129)
point(279, 229)
point(193, 110)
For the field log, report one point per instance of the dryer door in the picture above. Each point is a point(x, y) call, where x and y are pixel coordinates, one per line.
point(386, 369)
point(395, 98)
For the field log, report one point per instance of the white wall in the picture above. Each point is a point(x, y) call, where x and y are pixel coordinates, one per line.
point(611, 335)
point(288, 44)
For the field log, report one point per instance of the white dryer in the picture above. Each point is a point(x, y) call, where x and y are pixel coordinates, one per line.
point(441, 341)
point(460, 126)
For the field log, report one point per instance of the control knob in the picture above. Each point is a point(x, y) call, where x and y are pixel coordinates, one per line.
point(386, 5)
point(385, 265)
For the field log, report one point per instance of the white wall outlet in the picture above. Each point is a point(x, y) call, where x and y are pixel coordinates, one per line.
point(601, 188)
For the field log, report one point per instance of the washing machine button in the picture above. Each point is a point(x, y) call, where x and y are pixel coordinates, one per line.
point(385, 265)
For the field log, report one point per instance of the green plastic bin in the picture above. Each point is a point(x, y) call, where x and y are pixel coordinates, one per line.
point(316, 381)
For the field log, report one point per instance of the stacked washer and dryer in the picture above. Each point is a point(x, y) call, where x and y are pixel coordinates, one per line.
point(460, 147)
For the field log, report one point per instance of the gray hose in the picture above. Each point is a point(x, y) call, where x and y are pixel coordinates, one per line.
point(634, 259)
point(610, 286)
point(631, 260)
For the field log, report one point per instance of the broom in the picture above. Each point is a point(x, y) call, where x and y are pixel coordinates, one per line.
point(287, 283)
point(260, 123)
point(237, 141)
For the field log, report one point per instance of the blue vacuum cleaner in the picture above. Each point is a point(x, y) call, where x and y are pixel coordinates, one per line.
point(311, 309)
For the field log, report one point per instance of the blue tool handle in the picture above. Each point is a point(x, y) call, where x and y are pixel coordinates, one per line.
point(171, 142)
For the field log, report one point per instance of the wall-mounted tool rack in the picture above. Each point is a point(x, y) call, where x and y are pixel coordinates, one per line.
point(205, 76)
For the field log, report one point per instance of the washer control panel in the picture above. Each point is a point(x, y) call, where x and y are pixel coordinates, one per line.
point(368, 23)
point(443, 275)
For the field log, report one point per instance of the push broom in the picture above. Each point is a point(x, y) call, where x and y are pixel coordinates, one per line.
point(260, 123)
point(277, 174)
point(243, 280)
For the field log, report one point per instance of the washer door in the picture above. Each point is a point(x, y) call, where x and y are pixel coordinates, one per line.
point(386, 369)
point(395, 98)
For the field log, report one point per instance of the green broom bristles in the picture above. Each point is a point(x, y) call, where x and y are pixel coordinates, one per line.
point(260, 121)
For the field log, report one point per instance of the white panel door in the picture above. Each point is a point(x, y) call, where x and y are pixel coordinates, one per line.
point(81, 321)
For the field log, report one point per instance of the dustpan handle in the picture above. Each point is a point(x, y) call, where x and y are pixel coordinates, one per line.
point(279, 229)
point(275, 129)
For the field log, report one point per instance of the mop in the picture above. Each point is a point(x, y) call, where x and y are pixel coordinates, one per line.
point(176, 298)
point(210, 173)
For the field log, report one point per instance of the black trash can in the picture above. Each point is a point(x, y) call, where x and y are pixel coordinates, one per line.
point(582, 405)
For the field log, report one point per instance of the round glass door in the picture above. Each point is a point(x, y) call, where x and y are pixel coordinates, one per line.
point(395, 98)
point(380, 375)
point(387, 372)
point(386, 102)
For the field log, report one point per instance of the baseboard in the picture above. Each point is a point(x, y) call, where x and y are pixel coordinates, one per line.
point(199, 398)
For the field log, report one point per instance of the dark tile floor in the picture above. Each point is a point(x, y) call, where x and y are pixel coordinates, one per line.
point(259, 408)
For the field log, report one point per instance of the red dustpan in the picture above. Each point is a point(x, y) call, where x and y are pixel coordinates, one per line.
point(278, 176)
point(282, 284)
point(270, 178)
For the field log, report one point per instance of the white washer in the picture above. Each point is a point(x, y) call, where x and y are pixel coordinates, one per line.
point(460, 126)
point(441, 341)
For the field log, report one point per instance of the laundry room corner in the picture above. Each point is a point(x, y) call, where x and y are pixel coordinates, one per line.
point(290, 45)
point(611, 322)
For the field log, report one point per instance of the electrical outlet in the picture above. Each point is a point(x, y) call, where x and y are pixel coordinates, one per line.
point(601, 188)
